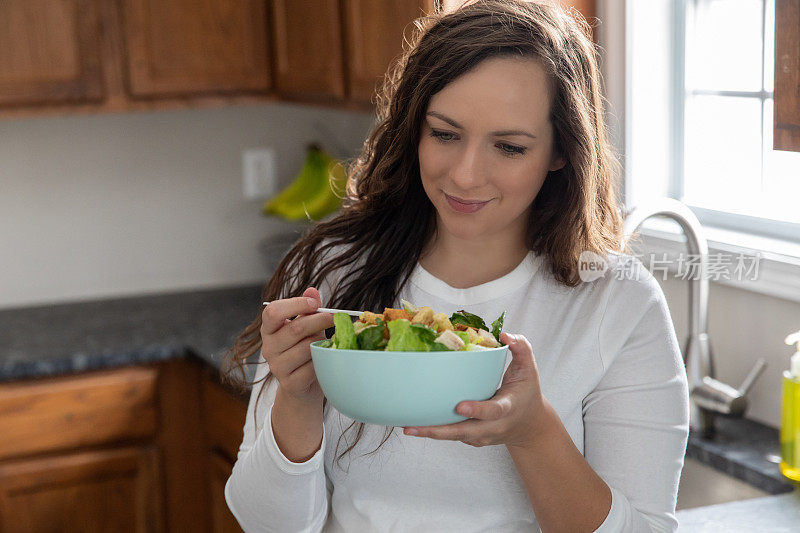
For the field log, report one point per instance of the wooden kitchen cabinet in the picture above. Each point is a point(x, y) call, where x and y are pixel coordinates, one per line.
point(373, 37)
point(50, 52)
point(222, 521)
point(224, 414)
point(142, 448)
point(79, 450)
point(308, 49)
point(95, 409)
point(79, 56)
point(787, 76)
point(224, 417)
point(188, 47)
point(339, 50)
point(95, 56)
point(99, 490)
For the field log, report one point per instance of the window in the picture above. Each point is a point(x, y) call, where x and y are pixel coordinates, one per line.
point(707, 138)
point(728, 161)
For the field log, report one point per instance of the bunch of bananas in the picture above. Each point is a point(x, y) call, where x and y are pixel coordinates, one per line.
point(316, 191)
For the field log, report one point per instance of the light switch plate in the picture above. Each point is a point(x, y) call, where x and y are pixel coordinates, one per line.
point(259, 173)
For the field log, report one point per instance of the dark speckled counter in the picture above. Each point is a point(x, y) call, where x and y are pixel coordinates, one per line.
point(744, 449)
point(75, 337)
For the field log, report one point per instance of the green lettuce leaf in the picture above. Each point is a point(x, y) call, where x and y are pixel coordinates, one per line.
point(345, 334)
point(370, 337)
point(408, 306)
point(327, 343)
point(403, 338)
point(425, 333)
point(464, 336)
point(497, 326)
point(468, 319)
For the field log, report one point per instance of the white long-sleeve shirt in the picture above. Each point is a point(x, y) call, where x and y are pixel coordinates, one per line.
point(608, 362)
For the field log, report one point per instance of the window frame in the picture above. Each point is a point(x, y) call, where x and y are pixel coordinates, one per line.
point(765, 227)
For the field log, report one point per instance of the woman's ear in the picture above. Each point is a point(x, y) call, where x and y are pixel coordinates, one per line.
point(557, 163)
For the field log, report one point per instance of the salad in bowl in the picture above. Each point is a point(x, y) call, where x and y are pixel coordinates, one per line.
point(414, 329)
point(409, 366)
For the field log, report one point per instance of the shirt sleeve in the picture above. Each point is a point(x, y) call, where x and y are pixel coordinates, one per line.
point(266, 491)
point(636, 420)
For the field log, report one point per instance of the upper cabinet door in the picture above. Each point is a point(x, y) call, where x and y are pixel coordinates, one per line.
point(308, 49)
point(49, 51)
point(787, 76)
point(374, 36)
point(194, 47)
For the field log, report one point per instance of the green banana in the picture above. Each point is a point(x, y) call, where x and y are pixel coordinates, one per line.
point(328, 198)
point(306, 184)
point(314, 192)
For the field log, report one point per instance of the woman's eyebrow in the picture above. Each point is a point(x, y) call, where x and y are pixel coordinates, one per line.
point(495, 133)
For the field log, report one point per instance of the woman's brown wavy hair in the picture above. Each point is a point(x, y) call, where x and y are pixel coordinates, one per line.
point(387, 217)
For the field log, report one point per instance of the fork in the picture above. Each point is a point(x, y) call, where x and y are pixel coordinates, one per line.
point(330, 310)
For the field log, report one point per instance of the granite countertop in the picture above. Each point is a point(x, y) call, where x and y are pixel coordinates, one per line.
point(771, 514)
point(744, 449)
point(75, 337)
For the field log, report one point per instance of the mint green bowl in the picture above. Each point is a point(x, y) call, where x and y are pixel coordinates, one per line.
point(406, 388)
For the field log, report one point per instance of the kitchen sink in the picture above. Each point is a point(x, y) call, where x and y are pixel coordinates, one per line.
point(703, 485)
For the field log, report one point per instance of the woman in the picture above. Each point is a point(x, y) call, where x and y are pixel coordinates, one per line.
point(488, 175)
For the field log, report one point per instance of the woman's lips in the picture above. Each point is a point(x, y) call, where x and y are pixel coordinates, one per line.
point(462, 207)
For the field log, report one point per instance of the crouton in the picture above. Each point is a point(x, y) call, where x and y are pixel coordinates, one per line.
point(424, 315)
point(441, 322)
point(460, 327)
point(370, 318)
point(393, 314)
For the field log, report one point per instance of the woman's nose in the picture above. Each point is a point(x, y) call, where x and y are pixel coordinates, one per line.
point(469, 170)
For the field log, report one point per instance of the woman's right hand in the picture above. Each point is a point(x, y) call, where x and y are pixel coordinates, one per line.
point(285, 343)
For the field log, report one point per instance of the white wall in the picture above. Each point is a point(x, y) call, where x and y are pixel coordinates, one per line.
point(742, 326)
point(105, 205)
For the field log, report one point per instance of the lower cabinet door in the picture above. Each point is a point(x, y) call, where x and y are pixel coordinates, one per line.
point(219, 471)
point(99, 490)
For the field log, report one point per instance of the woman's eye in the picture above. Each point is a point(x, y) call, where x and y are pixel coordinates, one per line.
point(443, 136)
point(511, 149)
point(507, 149)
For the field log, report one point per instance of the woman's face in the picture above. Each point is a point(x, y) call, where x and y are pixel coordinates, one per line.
point(486, 137)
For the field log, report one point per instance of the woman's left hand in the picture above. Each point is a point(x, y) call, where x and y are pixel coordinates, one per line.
point(515, 416)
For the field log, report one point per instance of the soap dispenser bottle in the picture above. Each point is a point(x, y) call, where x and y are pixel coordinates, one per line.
point(790, 414)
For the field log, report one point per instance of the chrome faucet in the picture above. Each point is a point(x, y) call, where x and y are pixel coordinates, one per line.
point(709, 397)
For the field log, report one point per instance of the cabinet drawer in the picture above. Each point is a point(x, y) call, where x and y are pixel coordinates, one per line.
point(114, 489)
point(67, 412)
